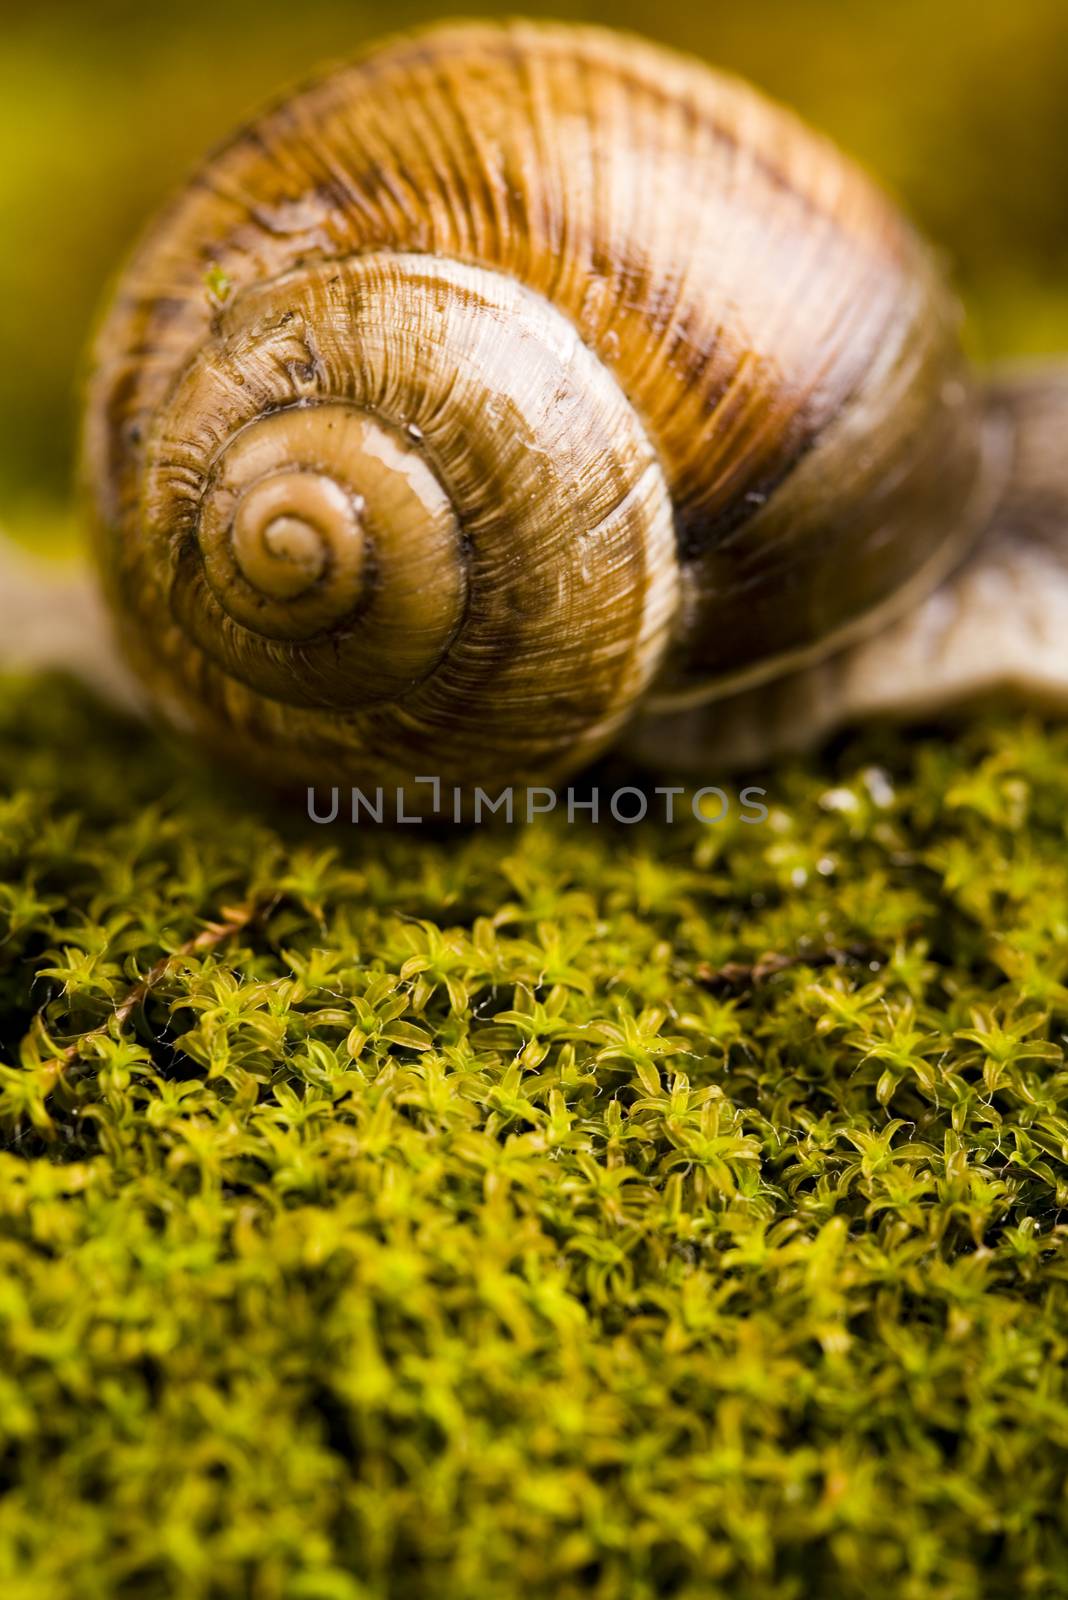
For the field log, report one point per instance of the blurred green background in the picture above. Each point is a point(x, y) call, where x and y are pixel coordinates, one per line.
point(960, 106)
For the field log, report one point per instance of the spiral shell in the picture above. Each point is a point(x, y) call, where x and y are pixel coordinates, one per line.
point(489, 384)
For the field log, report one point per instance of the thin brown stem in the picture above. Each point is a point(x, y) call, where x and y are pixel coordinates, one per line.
point(234, 920)
point(735, 977)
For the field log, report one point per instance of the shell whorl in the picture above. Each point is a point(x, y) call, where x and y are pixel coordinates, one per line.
point(498, 377)
point(439, 507)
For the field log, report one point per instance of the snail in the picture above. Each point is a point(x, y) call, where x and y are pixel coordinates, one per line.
point(523, 389)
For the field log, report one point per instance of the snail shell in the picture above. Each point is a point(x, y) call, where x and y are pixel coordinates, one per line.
point(506, 380)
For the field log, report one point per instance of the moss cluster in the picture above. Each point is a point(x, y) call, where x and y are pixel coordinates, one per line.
point(559, 1211)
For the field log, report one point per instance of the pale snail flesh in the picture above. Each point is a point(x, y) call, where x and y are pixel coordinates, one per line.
point(517, 382)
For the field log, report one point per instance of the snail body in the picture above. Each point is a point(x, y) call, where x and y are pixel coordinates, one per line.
point(507, 382)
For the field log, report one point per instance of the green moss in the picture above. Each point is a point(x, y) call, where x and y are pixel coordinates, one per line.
point(217, 283)
point(665, 1211)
